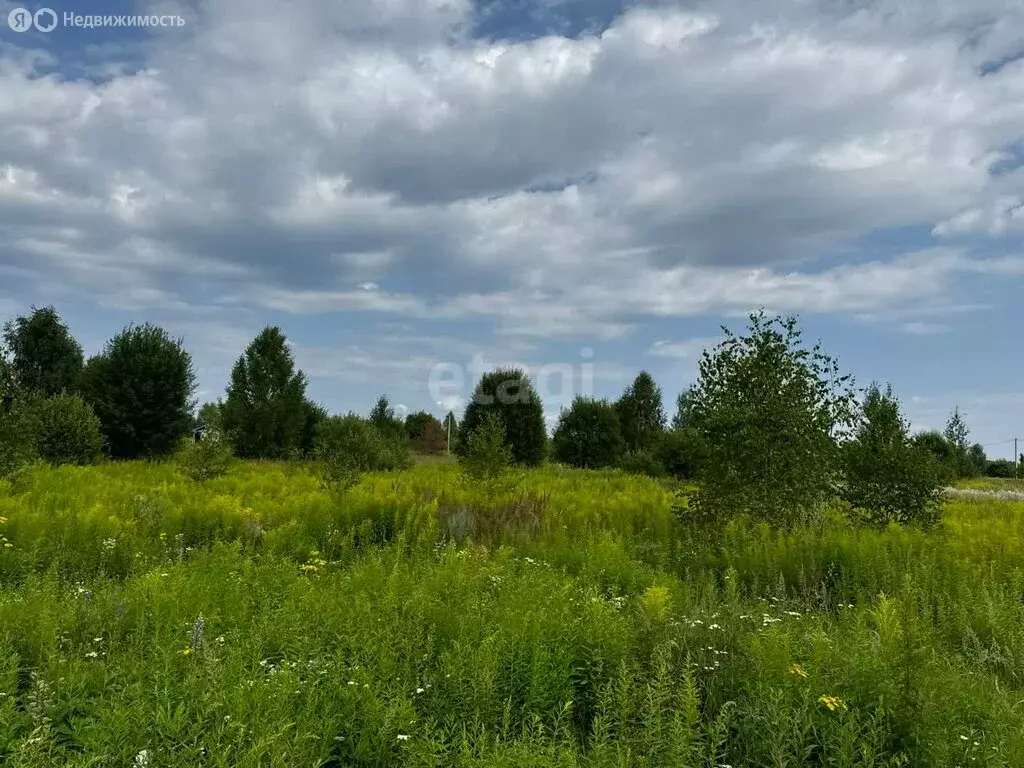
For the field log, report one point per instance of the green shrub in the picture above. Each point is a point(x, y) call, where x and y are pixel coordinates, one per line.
point(641, 463)
point(888, 478)
point(769, 412)
point(348, 446)
point(1003, 468)
point(206, 458)
point(588, 435)
point(678, 451)
point(67, 430)
point(141, 388)
point(486, 455)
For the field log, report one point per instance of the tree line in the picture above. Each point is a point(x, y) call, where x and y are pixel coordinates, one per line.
point(770, 428)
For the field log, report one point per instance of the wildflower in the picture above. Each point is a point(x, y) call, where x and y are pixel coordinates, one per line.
point(91, 655)
point(186, 652)
point(403, 737)
point(832, 702)
point(142, 759)
point(220, 639)
point(796, 669)
point(963, 738)
point(419, 690)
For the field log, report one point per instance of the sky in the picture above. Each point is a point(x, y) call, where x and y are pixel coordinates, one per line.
point(418, 190)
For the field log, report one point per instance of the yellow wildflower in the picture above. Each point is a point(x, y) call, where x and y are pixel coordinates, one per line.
point(832, 702)
point(796, 669)
point(187, 652)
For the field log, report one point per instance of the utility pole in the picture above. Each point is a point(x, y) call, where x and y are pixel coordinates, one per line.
point(1016, 459)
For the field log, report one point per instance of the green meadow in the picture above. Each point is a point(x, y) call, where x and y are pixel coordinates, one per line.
point(567, 618)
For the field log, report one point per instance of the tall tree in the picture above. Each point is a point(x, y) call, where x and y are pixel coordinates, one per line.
point(508, 394)
point(451, 429)
point(769, 412)
point(588, 434)
point(264, 412)
point(141, 387)
point(46, 358)
point(383, 418)
point(641, 414)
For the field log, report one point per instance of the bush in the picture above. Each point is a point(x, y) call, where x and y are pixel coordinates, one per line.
point(588, 435)
point(348, 446)
point(17, 437)
point(486, 455)
point(431, 439)
point(888, 478)
point(641, 463)
point(943, 451)
point(141, 388)
point(768, 412)
point(206, 458)
point(509, 395)
point(678, 451)
point(1002, 468)
point(67, 431)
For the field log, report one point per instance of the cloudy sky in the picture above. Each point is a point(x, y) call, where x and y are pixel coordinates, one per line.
point(414, 189)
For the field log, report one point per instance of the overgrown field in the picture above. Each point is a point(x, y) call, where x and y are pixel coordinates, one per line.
point(258, 620)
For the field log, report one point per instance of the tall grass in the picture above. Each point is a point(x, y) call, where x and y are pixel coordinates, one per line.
point(569, 619)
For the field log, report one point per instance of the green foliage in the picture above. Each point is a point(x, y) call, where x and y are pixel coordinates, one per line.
point(265, 412)
point(508, 394)
point(17, 427)
point(769, 412)
point(887, 478)
point(349, 446)
point(975, 462)
point(642, 463)
point(943, 451)
point(641, 414)
point(315, 415)
point(588, 435)
point(1003, 468)
point(207, 458)
point(67, 431)
point(678, 451)
point(383, 418)
point(210, 416)
point(141, 389)
point(486, 455)
point(426, 433)
point(46, 358)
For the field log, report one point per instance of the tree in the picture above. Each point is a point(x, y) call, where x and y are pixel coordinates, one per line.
point(383, 418)
point(415, 423)
point(315, 415)
point(588, 434)
point(641, 414)
point(887, 477)
point(348, 446)
point(141, 389)
point(1002, 468)
point(769, 413)
point(211, 416)
point(487, 454)
point(67, 431)
point(957, 432)
point(976, 461)
point(45, 356)
point(426, 433)
point(17, 430)
point(684, 402)
point(265, 412)
point(509, 395)
point(940, 449)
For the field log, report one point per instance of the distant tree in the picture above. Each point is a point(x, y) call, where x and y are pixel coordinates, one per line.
point(265, 411)
point(975, 462)
point(679, 451)
point(140, 387)
point(769, 413)
point(427, 435)
point(942, 450)
point(588, 434)
point(509, 395)
point(684, 401)
point(45, 356)
point(315, 415)
point(1002, 468)
point(210, 416)
point(641, 414)
point(349, 446)
point(383, 418)
point(67, 430)
point(956, 431)
point(416, 422)
point(887, 477)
